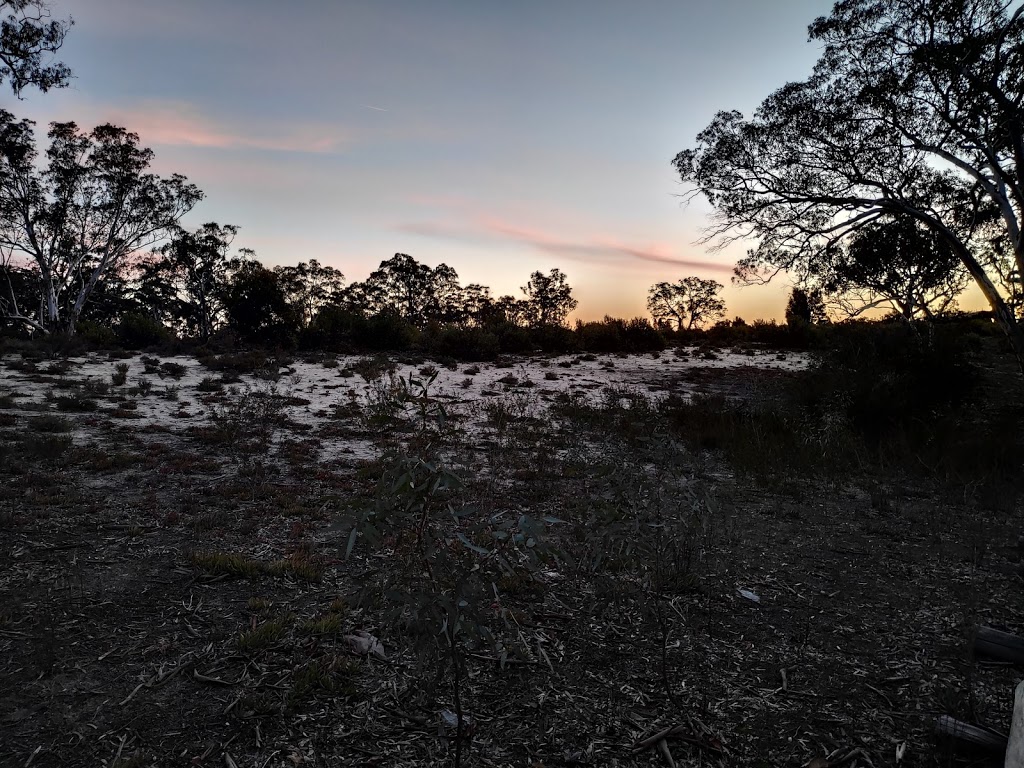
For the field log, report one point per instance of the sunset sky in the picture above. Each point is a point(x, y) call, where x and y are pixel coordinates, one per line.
point(497, 137)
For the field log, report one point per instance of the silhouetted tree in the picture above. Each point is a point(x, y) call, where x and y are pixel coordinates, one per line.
point(93, 205)
point(548, 299)
point(417, 293)
point(805, 306)
point(688, 303)
point(914, 110)
point(28, 37)
point(472, 304)
point(895, 263)
point(190, 278)
point(309, 287)
point(19, 291)
point(257, 307)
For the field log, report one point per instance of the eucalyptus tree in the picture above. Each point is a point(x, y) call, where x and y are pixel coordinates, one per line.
point(805, 306)
point(416, 292)
point(688, 303)
point(29, 37)
point(548, 299)
point(93, 205)
point(895, 264)
point(309, 287)
point(913, 111)
point(188, 280)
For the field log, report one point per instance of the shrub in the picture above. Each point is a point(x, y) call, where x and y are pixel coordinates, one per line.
point(384, 331)
point(120, 374)
point(138, 331)
point(96, 334)
point(467, 343)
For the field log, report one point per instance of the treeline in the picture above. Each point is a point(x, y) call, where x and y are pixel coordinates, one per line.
point(194, 291)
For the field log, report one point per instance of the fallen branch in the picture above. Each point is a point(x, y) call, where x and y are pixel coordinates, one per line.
point(682, 733)
point(999, 645)
point(983, 738)
point(158, 679)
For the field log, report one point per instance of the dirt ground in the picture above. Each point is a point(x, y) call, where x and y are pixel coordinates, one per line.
point(174, 591)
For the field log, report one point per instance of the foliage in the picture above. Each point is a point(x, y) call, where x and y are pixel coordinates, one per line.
point(448, 555)
point(416, 293)
point(257, 307)
point(894, 263)
point(473, 343)
point(188, 282)
point(878, 395)
point(93, 205)
point(912, 113)
point(548, 299)
point(805, 306)
point(688, 303)
point(138, 332)
point(309, 287)
point(28, 36)
point(616, 335)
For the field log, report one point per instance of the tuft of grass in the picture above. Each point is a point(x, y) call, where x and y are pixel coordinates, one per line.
point(373, 368)
point(209, 384)
point(265, 635)
point(259, 604)
point(241, 566)
point(45, 446)
point(58, 367)
point(75, 403)
point(174, 370)
point(50, 424)
point(95, 387)
point(335, 676)
point(228, 564)
point(120, 375)
point(324, 625)
point(300, 568)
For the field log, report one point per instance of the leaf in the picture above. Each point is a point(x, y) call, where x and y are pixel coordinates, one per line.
point(479, 550)
point(351, 542)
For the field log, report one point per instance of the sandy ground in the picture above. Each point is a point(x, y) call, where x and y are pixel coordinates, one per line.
point(314, 391)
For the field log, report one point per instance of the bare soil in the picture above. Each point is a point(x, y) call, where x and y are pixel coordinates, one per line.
point(815, 617)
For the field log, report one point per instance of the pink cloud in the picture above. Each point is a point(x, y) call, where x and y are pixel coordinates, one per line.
point(600, 248)
point(181, 124)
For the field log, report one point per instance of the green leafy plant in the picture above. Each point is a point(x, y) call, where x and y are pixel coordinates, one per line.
point(449, 555)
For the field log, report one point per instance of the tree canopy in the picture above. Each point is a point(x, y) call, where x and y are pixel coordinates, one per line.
point(913, 111)
point(29, 36)
point(688, 303)
point(896, 264)
point(548, 300)
point(94, 204)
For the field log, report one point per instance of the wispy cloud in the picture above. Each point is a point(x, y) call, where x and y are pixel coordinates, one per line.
point(488, 229)
point(182, 124)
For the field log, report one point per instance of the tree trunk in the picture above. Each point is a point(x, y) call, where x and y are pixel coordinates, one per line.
point(1004, 316)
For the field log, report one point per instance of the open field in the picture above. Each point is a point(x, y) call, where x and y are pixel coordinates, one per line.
point(175, 588)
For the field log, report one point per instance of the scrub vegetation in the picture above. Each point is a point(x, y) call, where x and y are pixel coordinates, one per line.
point(268, 517)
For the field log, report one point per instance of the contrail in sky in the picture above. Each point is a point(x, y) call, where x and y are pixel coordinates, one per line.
point(378, 109)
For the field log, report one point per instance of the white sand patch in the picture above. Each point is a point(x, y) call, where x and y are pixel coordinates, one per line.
point(174, 403)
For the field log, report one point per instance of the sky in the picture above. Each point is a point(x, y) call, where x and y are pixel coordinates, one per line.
point(497, 137)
